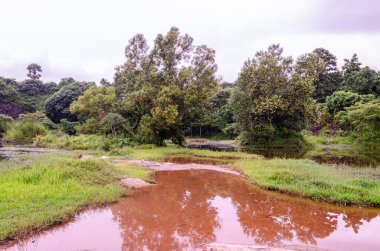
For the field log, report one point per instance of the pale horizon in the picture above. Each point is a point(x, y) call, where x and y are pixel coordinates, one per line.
point(86, 40)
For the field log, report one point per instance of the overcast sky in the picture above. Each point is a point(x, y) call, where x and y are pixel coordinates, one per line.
point(85, 39)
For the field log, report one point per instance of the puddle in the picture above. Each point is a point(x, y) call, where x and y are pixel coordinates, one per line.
point(191, 208)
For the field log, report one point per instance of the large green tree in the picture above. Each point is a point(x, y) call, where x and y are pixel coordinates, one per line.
point(165, 88)
point(329, 78)
point(362, 80)
point(57, 107)
point(95, 103)
point(273, 97)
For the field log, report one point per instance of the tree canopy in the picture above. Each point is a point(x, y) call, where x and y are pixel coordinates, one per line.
point(34, 71)
point(274, 94)
point(165, 88)
point(57, 107)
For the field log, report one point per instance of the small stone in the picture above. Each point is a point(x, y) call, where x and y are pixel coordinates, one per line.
point(86, 157)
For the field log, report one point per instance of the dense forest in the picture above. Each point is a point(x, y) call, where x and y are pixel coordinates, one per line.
point(171, 91)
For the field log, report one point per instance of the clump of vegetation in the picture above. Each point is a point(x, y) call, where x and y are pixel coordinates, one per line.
point(363, 120)
point(5, 122)
point(359, 186)
point(273, 98)
point(25, 132)
point(167, 88)
point(55, 188)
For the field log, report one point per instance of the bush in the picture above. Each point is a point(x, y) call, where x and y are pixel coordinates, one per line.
point(5, 122)
point(68, 127)
point(90, 126)
point(364, 120)
point(115, 124)
point(25, 132)
point(38, 117)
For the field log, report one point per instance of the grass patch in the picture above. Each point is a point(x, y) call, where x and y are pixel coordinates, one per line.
point(156, 153)
point(323, 139)
point(341, 185)
point(47, 189)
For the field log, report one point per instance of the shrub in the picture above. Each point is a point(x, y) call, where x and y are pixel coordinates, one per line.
point(25, 132)
point(38, 117)
point(5, 122)
point(68, 126)
point(115, 124)
point(364, 119)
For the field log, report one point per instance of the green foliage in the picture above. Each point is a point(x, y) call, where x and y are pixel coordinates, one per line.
point(340, 100)
point(360, 80)
point(38, 117)
point(166, 88)
point(96, 102)
point(8, 93)
point(344, 185)
point(68, 127)
point(5, 122)
point(220, 118)
point(364, 121)
point(34, 71)
point(25, 132)
point(57, 107)
point(329, 78)
point(115, 124)
point(84, 142)
point(273, 95)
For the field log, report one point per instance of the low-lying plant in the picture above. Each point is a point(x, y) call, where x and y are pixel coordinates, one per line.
point(341, 185)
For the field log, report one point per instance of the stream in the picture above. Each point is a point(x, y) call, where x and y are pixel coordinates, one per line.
point(190, 208)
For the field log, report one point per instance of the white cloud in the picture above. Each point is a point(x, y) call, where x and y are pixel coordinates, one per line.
point(86, 39)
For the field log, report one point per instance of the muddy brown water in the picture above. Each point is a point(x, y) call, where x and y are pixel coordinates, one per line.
point(190, 208)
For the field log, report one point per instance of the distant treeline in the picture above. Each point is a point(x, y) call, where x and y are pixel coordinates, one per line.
point(171, 91)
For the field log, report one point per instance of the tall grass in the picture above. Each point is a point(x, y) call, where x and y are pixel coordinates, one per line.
point(51, 189)
point(25, 132)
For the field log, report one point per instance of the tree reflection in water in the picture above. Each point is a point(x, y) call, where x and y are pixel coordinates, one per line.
point(178, 214)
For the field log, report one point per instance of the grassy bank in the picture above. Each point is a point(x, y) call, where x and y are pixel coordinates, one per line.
point(121, 147)
point(48, 189)
point(341, 185)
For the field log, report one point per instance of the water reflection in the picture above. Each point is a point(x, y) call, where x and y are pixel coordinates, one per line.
point(185, 211)
point(190, 208)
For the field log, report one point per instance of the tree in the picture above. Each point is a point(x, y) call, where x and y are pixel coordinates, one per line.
point(115, 124)
point(8, 94)
point(34, 71)
point(165, 88)
point(329, 78)
point(105, 82)
point(360, 80)
point(96, 102)
point(273, 96)
point(57, 107)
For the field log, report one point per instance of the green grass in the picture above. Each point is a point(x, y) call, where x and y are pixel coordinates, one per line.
point(155, 153)
point(47, 189)
point(322, 139)
point(341, 185)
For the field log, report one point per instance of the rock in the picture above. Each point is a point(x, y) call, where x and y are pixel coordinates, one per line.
point(104, 157)
point(86, 157)
point(135, 183)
